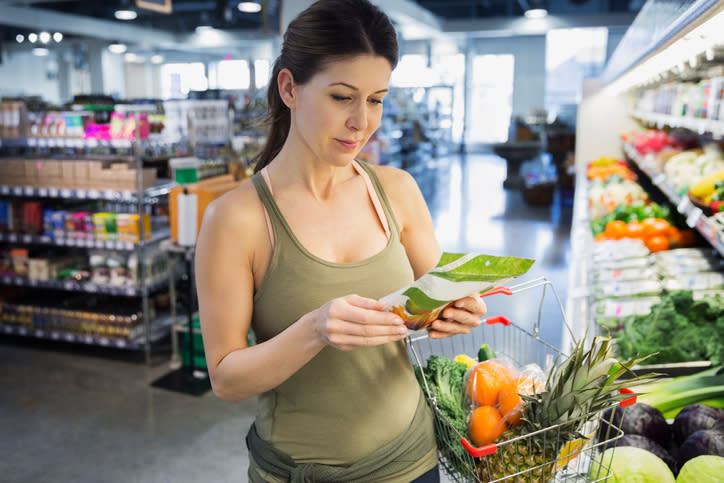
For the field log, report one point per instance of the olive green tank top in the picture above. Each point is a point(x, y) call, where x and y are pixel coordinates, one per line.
point(341, 406)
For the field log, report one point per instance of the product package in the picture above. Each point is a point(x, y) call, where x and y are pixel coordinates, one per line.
point(456, 276)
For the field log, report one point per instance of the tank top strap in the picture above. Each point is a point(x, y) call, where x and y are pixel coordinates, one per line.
point(378, 193)
point(373, 197)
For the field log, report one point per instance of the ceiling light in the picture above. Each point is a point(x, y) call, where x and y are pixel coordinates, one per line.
point(130, 57)
point(157, 59)
point(40, 51)
point(20, 38)
point(203, 28)
point(117, 48)
point(32, 37)
point(44, 37)
point(58, 37)
point(125, 14)
point(249, 7)
point(536, 13)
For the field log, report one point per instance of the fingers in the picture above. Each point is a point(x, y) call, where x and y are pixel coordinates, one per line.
point(459, 318)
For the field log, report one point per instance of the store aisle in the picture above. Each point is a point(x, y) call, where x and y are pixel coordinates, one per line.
point(83, 417)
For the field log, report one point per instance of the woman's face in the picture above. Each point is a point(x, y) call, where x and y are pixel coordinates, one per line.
point(339, 108)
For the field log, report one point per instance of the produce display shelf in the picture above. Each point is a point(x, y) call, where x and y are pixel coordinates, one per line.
point(156, 237)
point(701, 126)
point(149, 195)
point(695, 217)
point(136, 341)
point(87, 287)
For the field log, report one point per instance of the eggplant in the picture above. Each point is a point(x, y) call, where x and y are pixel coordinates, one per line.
point(638, 441)
point(640, 419)
point(695, 417)
point(702, 442)
point(610, 419)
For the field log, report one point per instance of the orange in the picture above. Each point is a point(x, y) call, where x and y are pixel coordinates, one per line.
point(634, 229)
point(688, 238)
point(657, 243)
point(485, 381)
point(528, 385)
point(616, 229)
point(485, 426)
point(655, 226)
point(510, 405)
point(601, 237)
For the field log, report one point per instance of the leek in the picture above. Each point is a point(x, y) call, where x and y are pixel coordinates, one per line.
point(670, 396)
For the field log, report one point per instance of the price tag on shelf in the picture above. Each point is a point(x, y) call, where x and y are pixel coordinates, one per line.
point(32, 282)
point(39, 334)
point(43, 192)
point(4, 190)
point(93, 194)
point(28, 191)
point(6, 280)
point(68, 285)
point(45, 239)
point(27, 239)
point(87, 339)
point(53, 192)
point(81, 194)
point(68, 337)
point(65, 193)
point(130, 291)
point(17, 191)
point(42, 142)
point(706, 229)
point(12, 237)
point(55, 335)
point(7, 329)
point(32, 142)
point(22, 331)
point(121, 344)
point(693, 217)
point(91, 287)
point(103, 341)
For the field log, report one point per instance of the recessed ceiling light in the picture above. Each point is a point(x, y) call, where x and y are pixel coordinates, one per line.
point(58, 37)
point(125, 14)
point(249, 7)
point(20, 38)
point(44, 37)
point(32, 37)
point(117, 48)
point(536, 13)
point(40, 51)
point(157, 59)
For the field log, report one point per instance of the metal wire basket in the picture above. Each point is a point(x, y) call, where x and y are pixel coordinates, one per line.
point(461, 460)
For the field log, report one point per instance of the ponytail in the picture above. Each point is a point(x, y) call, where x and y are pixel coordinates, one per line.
point(278, 119)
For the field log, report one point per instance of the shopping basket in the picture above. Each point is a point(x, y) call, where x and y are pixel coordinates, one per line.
point(460, 459)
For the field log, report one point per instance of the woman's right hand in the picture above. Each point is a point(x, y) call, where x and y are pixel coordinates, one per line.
point(349, 322)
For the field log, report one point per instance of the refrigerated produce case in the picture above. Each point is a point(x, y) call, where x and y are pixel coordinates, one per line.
point(614, 107)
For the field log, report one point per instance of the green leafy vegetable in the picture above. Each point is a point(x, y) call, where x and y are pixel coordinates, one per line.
point(445, 379)
point(678, 328)
point(484, 268)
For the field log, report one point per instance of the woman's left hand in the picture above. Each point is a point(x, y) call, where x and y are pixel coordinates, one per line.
point(461, 316)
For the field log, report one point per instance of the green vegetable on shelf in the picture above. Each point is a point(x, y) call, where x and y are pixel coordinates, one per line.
point(670, 396)
point(678, 329)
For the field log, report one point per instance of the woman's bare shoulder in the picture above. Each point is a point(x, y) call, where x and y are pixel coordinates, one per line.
point(394, 180)
point(236, 213)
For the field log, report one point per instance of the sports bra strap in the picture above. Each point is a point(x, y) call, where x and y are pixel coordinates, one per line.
point(370, 190)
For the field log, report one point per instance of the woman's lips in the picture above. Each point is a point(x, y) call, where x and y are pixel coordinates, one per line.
point(348, 145)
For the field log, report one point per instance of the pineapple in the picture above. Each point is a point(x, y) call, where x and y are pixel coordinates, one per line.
point(585, 383)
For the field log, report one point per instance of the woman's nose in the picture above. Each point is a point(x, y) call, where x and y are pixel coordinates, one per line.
point(358, 119)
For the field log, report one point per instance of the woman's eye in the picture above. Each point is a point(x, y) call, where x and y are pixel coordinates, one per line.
point(376, 101)
point(340, 98)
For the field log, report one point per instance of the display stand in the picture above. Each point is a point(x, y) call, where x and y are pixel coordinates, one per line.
point(515, 154)
point(186, 379)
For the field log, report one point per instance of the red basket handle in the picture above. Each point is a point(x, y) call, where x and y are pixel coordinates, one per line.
point(477, 452)
point(498, 319)
point(496, 290)
point(627, 402)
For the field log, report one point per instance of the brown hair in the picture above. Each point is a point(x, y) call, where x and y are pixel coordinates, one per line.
point(326, 31)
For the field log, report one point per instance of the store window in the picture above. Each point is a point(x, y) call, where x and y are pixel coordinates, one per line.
point(178, 79)
point(261, 73)
point(413, 71)
point(572, 55)
point(491, 99)
point(232, 74)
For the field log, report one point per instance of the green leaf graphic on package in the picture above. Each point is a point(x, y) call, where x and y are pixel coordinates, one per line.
point(456, 275)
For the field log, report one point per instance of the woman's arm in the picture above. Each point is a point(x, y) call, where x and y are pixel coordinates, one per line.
point(229, 240)
point(417, 235)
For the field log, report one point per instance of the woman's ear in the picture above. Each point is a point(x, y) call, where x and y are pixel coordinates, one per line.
point(286, 85)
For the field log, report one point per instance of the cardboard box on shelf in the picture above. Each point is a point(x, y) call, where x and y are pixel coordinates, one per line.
point(30, 175)
point(126, 179)
point(207, 190)
point(67, 178)
point(80, 174)
point(47, 173)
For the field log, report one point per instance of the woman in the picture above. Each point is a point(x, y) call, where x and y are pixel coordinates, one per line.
point(302, 255)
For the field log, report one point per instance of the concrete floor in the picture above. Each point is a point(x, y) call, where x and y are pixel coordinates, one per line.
point(77, 414)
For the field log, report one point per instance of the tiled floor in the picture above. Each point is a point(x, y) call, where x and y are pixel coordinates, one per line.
point(77, 415)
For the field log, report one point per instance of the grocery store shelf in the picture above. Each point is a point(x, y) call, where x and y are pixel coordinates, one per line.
point(695, 218)
point(701, 126)
point(86, 287)
point(81, 143)
point(159, 329)
point(156, 237)
point(149, 195)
